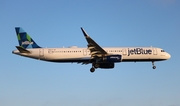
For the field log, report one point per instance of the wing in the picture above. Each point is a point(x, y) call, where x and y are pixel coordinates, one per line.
point(95, 49)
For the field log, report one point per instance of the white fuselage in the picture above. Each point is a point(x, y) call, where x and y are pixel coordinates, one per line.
point(74, 54)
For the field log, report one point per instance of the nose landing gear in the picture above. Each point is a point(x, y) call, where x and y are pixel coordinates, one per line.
point(154, 67)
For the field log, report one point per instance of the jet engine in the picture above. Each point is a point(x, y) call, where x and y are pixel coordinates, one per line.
point(112, 58)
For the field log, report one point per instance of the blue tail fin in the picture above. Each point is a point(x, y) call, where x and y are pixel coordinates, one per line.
point(24, 39)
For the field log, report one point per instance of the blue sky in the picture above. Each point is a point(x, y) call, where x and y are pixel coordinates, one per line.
point(56, 23)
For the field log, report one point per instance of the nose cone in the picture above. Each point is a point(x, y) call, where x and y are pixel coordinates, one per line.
point(168, 56)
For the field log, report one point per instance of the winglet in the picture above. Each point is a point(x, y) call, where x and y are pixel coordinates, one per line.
point(84, 32)
point(22, 50)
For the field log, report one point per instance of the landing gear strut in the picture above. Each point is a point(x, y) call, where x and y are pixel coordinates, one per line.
point(154, 67)
point(94, 66)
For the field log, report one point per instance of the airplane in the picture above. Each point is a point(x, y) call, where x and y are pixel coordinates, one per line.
point(99, 57)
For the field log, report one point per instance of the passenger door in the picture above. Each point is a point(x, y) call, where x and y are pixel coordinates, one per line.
point(41, 53)
point(154, 51)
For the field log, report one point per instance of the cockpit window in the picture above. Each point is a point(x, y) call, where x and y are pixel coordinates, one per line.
point(162, 51)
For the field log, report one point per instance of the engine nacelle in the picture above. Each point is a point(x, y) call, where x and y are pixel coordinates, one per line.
point(106, 65)
point(113, 58)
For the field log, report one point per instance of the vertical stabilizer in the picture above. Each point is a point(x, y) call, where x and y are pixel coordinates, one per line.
point(24, 39)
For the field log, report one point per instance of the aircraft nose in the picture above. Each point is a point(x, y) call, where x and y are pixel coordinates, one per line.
point(168, 56)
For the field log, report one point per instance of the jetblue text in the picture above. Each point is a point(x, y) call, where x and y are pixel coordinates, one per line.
point(27, 43)
point(139, 51)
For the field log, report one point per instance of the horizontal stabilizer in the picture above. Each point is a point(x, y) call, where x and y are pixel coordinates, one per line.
point(22, 50)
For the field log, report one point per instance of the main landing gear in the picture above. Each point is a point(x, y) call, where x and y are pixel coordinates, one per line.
point(154, 67)
point(92, 69)
point(94, 66)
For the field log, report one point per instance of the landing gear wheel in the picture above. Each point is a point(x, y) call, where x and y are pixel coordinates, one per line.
point(92, 70)
point(154, 67)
